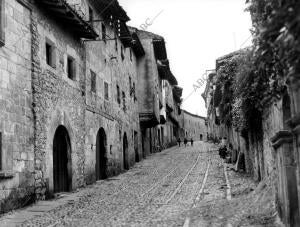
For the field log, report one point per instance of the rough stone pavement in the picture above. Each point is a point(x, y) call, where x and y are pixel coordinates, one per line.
point(177, 187)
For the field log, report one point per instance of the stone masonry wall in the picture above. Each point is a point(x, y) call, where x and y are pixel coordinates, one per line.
point(16, 118)
point(106, 61)
point(58, 100)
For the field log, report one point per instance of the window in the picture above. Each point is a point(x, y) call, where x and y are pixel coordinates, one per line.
point(2, 23)
point(50, 54)
point(118, 95)
point(91, 16)
point(106, 96)
point(122, 53)
point(71, 68)
point(124, 101)
point(103, 32)
point(93, 81)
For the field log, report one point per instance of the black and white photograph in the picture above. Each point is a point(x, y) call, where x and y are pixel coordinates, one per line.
point(149, 113)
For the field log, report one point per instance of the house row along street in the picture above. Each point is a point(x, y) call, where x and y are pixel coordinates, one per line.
point(181, 186)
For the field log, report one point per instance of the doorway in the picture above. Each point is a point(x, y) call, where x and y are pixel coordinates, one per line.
point(125, 152)
point(101, 156)
point(62, 168)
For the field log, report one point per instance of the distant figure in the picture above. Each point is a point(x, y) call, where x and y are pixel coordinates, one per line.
point(192, 141)
point(179, 141)
point(185, 141)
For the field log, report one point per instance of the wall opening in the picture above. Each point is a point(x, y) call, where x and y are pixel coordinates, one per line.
point(62, 168)
point(125, 152)
point(101, 155)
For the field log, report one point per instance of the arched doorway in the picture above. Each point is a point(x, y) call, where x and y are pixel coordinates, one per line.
point(201, 137)
point(101, 157)
point(62, 167)
point(125, 152)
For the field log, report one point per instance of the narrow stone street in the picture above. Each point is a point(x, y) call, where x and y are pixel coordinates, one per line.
point(177, 187)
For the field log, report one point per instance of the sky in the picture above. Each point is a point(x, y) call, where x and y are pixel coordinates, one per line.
point(197, 32)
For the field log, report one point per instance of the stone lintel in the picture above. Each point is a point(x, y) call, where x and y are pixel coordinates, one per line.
point(281, 137)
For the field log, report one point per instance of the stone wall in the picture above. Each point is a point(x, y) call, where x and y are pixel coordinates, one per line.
point(105, 59)
point(58, 100)
point(16, 118)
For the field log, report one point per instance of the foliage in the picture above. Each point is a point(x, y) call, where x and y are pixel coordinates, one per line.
point(224, 98)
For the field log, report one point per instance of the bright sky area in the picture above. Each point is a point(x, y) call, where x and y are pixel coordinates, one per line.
point(197, 32)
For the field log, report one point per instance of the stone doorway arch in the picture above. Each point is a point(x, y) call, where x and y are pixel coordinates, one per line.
point(62, 164)
point(101, 155)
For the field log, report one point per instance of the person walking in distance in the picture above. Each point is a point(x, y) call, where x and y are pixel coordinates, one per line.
point(185, 141)
point(179, 141)
point(192, 141)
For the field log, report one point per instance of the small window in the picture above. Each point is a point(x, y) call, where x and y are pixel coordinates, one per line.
point(71, 68)
point(124, 101)
point(122, 53)
point(106, 96)
point(93, 81)
point(118, 95)
point(50, 55)
point(103, 32)
point(2, 23)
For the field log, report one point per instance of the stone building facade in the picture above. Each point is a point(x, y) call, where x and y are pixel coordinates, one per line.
point(271, 153)
point(194, 126)
point(80, 94)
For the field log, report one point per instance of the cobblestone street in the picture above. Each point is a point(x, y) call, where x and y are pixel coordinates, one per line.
point(177, 187)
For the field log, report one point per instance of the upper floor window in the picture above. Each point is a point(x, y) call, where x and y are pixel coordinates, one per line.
point(2, 22)
point(103, 28)
point(50, 54)
point(93, 82)
point(71, 71)
point(106, 96)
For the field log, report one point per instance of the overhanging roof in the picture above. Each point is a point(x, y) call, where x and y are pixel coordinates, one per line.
point(160, 49)
point(111, 8)
point(165, 72)
point(68, 16)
